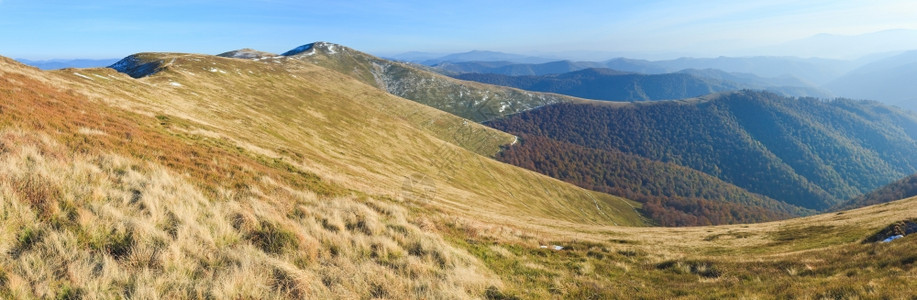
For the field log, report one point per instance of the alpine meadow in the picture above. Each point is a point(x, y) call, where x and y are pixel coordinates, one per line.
point(625, 152)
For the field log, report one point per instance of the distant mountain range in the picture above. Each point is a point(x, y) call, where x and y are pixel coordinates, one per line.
point(813, 71)
point(883, 76)
point(55, 64)
point(891, 80)
point(846, 46)
point(607, 84)
point(474, 55)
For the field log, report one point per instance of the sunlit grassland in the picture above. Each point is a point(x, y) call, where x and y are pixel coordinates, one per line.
point(281, 179)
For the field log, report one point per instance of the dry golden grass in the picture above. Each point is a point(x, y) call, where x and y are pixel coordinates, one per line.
point(106, 226)
point(286, 180)
point(347, 133)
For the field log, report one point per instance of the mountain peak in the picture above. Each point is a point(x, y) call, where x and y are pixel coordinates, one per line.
point(138, 65)
point(309, 49)
point(246, 53)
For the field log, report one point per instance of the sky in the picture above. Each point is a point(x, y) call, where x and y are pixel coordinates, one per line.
point(45, 29)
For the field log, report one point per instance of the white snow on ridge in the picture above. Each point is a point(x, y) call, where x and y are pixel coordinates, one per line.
point(83, 76)
point(173, 83)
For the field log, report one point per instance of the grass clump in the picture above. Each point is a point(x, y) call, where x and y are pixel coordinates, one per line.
point(272, 238)
point(700, 268)
point(115, 242)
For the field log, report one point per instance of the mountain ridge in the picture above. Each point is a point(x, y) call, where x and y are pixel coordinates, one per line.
point(473, 101)
point(613, 85)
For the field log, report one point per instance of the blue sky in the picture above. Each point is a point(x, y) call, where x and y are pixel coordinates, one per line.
point(108, 29)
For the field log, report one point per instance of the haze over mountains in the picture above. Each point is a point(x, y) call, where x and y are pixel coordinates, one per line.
point(608, 84)
point(881, 76)
point(889, 80)
point(823, 65)
point(866, 66)
point(55, 64)
point(327, 172)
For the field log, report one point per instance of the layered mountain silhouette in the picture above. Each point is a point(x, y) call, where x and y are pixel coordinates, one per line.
point(812, 71)
point(889, 80)
point(802, 151)
point(607, 84)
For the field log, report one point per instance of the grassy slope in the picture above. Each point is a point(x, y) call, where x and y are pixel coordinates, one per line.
point(322, 121)
point(105, 198)
point(475, 101)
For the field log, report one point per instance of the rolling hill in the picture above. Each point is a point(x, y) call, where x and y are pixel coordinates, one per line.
point(302, 178)
point(801, 151)
point(177, 175)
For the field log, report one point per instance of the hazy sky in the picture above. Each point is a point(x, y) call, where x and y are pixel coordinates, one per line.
point(42, 29)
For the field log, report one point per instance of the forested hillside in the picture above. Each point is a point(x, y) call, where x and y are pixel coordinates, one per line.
point(673, 195)
point(802, 151)
point(904, 188)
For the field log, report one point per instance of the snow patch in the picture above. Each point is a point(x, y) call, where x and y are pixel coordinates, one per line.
point(554, 247)
point(892, 238)
point(83, 76)
point(173, 83)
